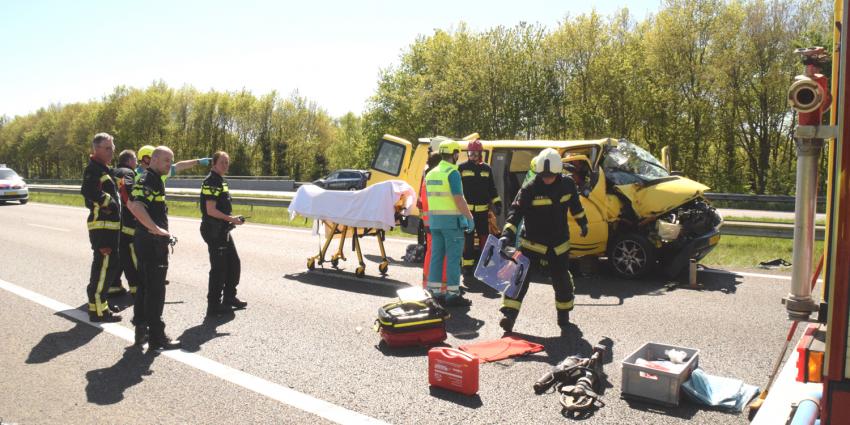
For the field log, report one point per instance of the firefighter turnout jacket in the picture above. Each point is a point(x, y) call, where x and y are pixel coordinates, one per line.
point(125, 178)
point(544, 208)
point(479, 189)
point(101, 198)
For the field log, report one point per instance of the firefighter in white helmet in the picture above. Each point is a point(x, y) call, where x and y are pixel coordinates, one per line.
point(543, 203)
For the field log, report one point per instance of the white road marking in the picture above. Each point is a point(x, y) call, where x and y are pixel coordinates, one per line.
point(759, 275)
point(58, 229)
point(253, 383)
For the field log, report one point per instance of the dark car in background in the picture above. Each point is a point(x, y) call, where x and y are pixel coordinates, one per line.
point(344, 180)
point(12, 186)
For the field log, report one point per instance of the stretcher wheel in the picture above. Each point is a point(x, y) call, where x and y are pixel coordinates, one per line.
point(335, 261)
point(360, 272)
point(383, 267)
point(311, 263)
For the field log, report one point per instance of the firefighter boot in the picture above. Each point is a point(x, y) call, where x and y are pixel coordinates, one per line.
point(235, 302)
point(563, 318)
point(106, 317)
point(508, 320)
point(141, 335)
point(162, 342)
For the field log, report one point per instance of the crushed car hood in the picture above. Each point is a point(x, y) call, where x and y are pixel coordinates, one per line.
point(658, 198)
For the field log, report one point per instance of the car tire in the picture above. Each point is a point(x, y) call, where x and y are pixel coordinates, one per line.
point(352, 188)
point(631, 256)
point(24, 201)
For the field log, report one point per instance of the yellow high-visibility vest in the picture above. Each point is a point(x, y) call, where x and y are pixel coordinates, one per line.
point(440, 198)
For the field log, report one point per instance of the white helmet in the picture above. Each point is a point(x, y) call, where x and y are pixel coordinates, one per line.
point(549, 162)
point(434, 143)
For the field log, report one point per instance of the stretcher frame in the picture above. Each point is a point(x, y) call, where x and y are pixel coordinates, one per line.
point(342, 231)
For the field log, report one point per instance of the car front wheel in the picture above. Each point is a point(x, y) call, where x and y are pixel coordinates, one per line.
point(24, 201)
point(631, 256)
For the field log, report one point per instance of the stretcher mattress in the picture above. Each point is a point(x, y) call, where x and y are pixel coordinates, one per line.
point(373, 207)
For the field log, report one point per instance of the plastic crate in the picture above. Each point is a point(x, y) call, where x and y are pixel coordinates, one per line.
point(653, 385)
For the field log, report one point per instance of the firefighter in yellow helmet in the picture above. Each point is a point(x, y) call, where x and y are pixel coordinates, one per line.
point(449, 217)
point(544, 203)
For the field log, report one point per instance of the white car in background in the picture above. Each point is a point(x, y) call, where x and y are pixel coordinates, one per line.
point(12, 186)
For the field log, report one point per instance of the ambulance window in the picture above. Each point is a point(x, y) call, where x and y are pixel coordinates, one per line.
point(389, 158)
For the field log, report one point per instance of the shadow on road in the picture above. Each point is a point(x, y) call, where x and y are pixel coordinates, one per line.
point(685, 410)
point(461, 325)
point(56, 344)
point(107, 386)
point(348, 282)
point(413, 351)
point(393, 262)
point(475, 286)
point(192, 338)
point(472, 402)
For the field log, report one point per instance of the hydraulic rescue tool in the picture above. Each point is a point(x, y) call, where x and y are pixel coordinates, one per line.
point(578, 380)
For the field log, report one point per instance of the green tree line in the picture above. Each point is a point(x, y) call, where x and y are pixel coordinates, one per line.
point(266, 135)
point(706, 77)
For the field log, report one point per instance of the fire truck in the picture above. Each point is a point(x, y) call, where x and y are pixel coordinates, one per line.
point(814, 383)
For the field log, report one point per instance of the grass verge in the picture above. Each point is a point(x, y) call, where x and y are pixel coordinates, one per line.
point(749, 251)
point(819, 222)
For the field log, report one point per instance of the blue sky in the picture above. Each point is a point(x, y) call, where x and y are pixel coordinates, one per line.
point(330, 51)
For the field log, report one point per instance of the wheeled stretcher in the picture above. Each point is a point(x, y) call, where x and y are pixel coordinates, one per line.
point(355, 215)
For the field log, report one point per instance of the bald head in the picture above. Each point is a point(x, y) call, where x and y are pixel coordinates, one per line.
point(161, 160)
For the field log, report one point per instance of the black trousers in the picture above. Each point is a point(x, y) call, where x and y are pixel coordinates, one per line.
point(152, 253)
point(562, 282)
point(470, 253)
point(104, 267)
point(225, 266)
point(129, 264)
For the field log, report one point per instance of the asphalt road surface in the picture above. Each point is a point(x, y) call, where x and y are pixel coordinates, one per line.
point(304, 350)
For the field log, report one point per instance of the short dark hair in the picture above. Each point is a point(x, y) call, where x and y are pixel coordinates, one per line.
point(218, 155)
point(99, 138)
point(434, 160)
point(126, 155)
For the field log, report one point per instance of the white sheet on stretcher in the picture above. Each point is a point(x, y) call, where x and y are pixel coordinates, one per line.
point(373, 207)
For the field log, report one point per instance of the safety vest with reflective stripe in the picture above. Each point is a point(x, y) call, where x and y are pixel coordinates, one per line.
point(440, 198)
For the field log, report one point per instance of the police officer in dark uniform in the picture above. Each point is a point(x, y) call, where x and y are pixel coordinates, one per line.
point(216, 224)
point(479, 190)
point(151, 243)
point(125, 177)
point(104, 222)
point(544, 203)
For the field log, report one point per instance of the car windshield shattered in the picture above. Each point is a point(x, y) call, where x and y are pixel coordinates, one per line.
point(627, 163)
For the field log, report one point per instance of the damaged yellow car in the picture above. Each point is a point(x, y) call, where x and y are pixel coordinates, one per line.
point(640, 216)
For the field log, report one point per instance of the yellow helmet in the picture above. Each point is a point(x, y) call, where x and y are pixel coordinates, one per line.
point(146, 150)
point(449, 147)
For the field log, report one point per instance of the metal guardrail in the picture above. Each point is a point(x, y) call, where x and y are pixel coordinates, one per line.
point(734, 228)
point(737, 197)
